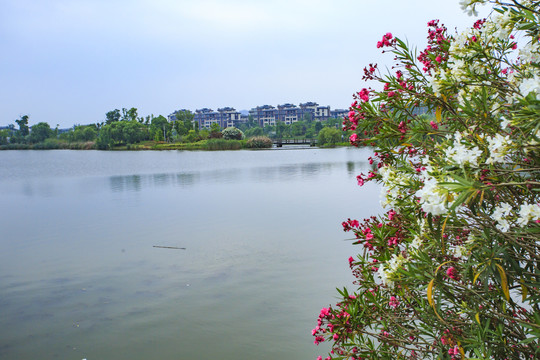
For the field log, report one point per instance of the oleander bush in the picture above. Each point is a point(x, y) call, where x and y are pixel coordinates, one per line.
point(451, 269)
point(259, 142)
point(232, 133)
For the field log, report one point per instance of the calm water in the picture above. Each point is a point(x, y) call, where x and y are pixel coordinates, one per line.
point(80, 276)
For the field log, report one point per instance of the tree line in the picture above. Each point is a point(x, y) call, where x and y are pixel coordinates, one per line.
point(126, 127)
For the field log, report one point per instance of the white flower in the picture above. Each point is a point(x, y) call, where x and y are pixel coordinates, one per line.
point(415, 244)
point(434, 84)
point(466, 7)
point(394, 264)
point(383, 275)
point(432, 197)
point(500, 215)
point(497, 146)
point(461, 154)
point(460, 251)
point(528, 212)
point(387, 271)
point(530, 52)
point(505, 123)
point(530, 85)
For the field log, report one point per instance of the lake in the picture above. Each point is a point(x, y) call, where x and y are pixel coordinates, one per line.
point(81, 278)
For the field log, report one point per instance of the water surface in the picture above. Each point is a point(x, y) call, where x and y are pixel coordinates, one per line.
point(264, 250)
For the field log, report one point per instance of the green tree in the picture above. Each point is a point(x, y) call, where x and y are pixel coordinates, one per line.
point(84, 133)
point(4, 134)
point(112, 116)
point(134, 132)
point(280, 129)
point(255, 131)
point(129, 115)
point(162, 125)
point(318, 127)
point(184, 122)
point(329, 136)
point(104, 140)
point(24, 130)
point(298, 128)
point(40, 132)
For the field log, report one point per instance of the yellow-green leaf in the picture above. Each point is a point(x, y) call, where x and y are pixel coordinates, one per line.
point(476, 277)
point(430, 292)
point(438, 114)
point(504, 282)
point(477, 317)
point(524, 291)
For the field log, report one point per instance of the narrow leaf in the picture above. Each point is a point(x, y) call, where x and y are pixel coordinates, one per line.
point(504, 282)
point(430, 292)
point(438, 114)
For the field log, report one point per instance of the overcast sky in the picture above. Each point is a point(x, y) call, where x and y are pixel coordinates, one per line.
point(68, 62)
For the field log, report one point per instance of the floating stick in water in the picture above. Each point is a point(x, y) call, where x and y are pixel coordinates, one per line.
point(169, 247)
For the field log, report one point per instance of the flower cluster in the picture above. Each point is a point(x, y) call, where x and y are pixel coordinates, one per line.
point(448, 272)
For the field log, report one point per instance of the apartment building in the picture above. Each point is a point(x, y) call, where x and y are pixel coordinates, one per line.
point(265, 115)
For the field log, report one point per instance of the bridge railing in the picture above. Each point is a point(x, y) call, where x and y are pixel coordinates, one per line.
point(281, 142)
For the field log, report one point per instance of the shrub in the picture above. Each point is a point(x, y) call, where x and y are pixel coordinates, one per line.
point(232, 133)
point(215, 135)
point(328, 136)
point(450, 270)
point(222, 144)
point(259, 142)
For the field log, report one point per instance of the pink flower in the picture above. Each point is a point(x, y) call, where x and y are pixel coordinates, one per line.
point(324, 312)
point(335, 336)
point(434, 125)
point(438, 59)
point(364, 95)
point(394, 302)
point(451, 272)
point(353, 137)
point(319, 357)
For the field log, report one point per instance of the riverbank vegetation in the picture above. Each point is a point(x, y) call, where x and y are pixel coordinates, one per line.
point(126, 130)
point(451, 269)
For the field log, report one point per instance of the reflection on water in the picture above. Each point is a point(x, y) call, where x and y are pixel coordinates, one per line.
point(80, 278)
point(292, 172)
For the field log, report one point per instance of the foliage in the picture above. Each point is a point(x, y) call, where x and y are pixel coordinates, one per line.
point(40, 132)
point(161, 128)
point(112, 116)
point(450, 271)
point(232, 133)
point(192, 136)
point(259, 142)
point(328, 136)
point(4, 135)
point(256, 131)
point(222, 144)
point(184, 123)
point(23, 125)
